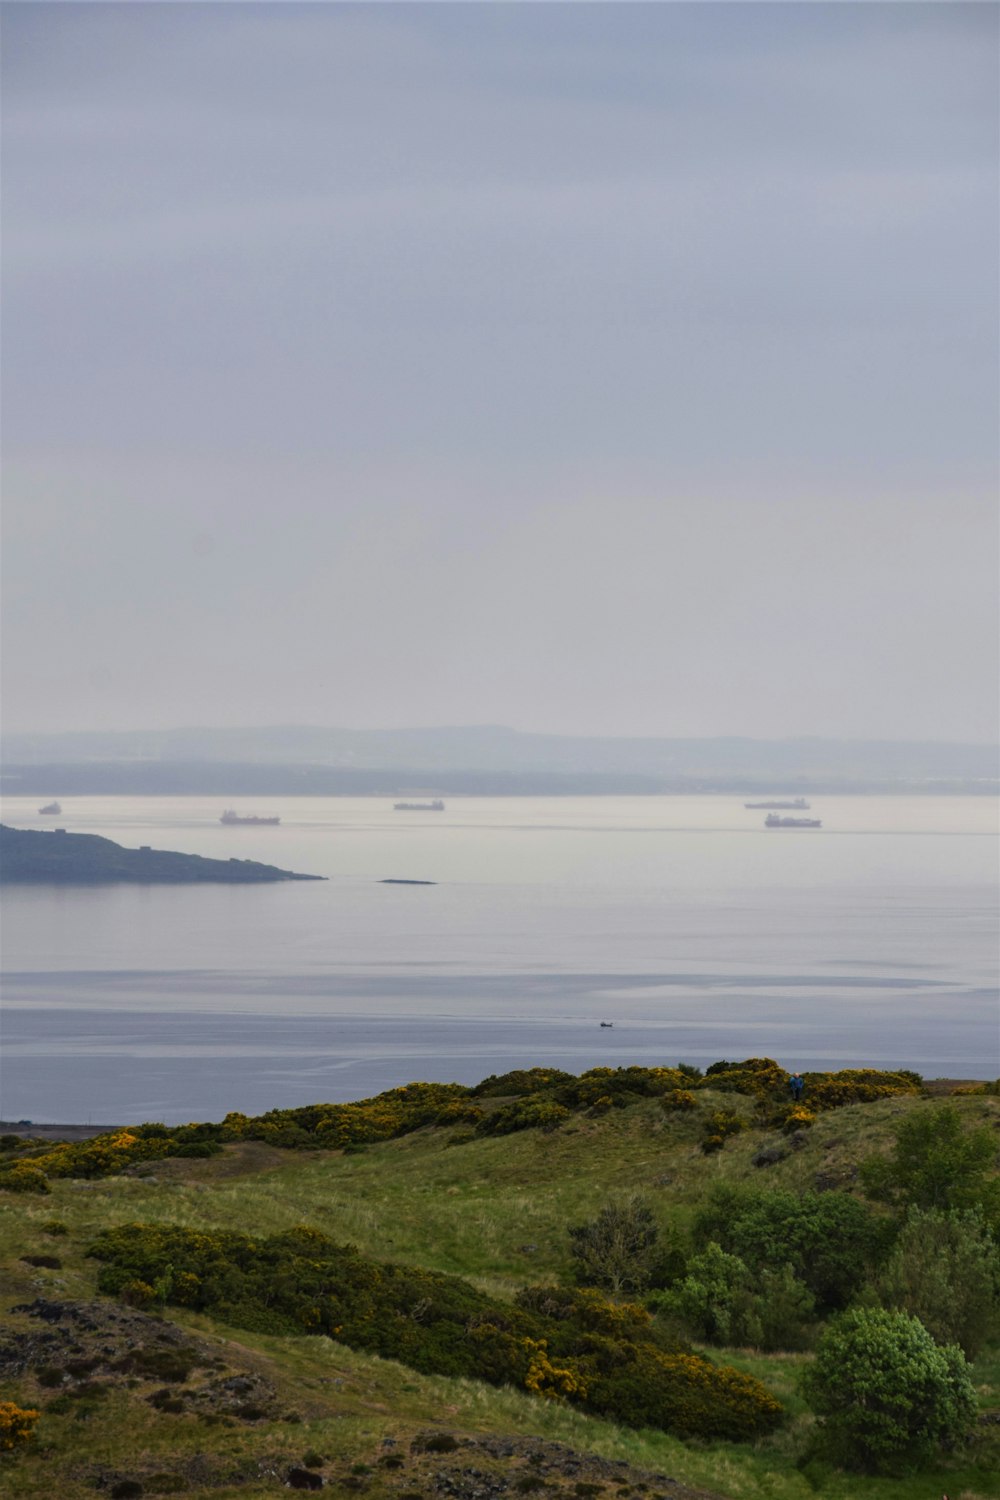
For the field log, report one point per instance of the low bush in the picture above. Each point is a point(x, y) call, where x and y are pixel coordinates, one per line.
point(720, 1124)
point(520, 1081)
point(24, 1177)
point(17, 1426)
point(760, 1078)
point(679, 1099)
point(594, 1353)
point(857, 1086)
point(623, 1085)
point(535, 1112)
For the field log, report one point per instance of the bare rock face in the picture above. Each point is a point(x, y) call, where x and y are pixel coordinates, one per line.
point(90, 1339)
point(103, 1344)
point(74, 1351)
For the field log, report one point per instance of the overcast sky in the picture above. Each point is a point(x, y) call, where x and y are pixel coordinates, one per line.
point(598, 368)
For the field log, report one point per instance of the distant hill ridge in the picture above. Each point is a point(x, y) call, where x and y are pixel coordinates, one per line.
point(446, 755)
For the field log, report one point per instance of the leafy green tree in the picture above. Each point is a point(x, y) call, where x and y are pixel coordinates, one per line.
point(617, 1249)
point(937, 1163)
point(830, 1240)
point(888, 1396)
point(945, 1270)
point(724, 1303)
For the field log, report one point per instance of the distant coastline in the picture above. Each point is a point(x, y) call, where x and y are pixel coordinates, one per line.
point(34, 857)
point(486, 760)
point(229, 780)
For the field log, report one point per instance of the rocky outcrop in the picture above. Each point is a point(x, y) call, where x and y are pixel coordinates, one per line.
point(29, 856)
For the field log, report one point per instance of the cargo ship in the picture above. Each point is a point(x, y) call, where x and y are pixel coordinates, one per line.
point(436, 806)
point(51, 809)
point(773, 821)
point(229, 817)
point(796, 804)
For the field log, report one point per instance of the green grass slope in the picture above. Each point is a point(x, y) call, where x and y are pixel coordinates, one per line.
point(166, 1399)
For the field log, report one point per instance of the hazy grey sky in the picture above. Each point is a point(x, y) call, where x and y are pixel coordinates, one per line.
point(612, 368)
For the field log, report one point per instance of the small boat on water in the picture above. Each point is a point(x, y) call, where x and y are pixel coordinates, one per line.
point(51, 809)
point(229, 817)
point(773, 821)
point(436, 806)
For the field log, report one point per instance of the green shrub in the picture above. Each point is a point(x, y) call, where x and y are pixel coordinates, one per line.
point(758, 1077)
point(761, 1079)
point(536, 1112)
point(587, 1310)
point(945, 1270)
point(720, 1124)
point(623, 1085)
point(888, 1397)
point(23, 1177)
point(684, 1394)
point(857, 1086)
point(520, 1081)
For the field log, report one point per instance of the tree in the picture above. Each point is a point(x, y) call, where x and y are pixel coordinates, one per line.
point(945, 1270)
point(830, 1241)
point(616, 1249)
point(887, 1395)
point(936, 1163)
point(724, 1303)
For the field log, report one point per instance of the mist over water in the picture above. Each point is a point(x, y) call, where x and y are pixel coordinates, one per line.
point(695, 931)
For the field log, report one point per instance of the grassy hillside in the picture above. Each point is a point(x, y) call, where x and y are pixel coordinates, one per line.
point(172, 1400)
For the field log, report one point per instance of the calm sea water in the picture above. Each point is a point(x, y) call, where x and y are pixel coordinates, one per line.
point(696, 932)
